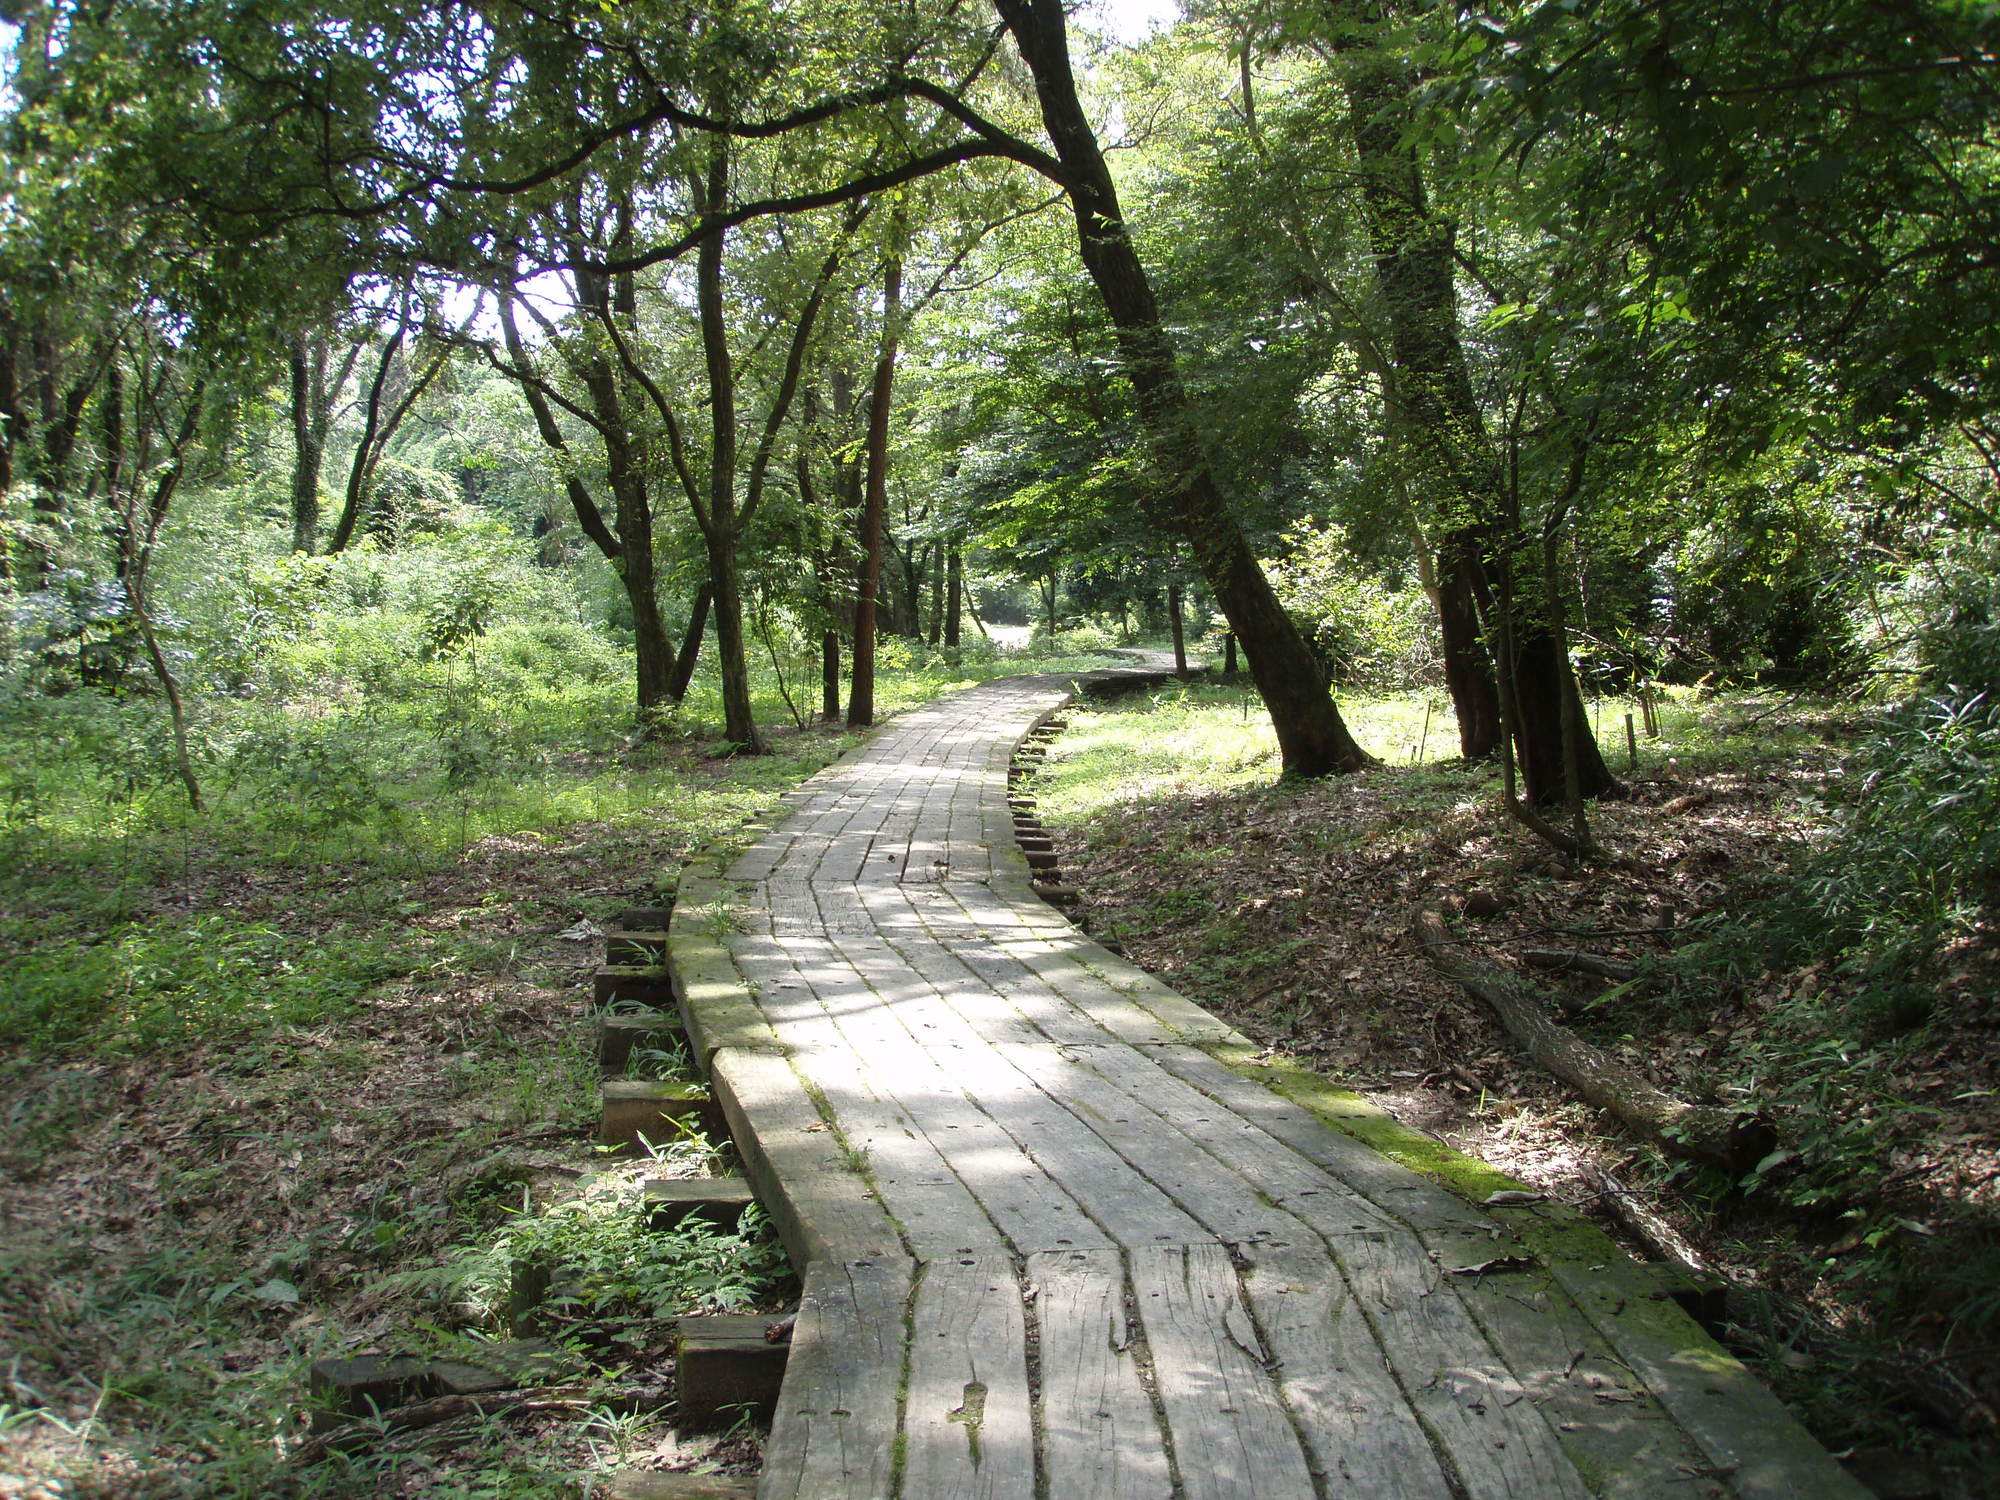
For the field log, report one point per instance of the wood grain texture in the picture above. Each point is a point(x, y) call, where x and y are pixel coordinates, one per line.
point(1101, 1438)
point(1052, 1246)
point(1232, 1436)
point(967, 1423)
point(832, 1436)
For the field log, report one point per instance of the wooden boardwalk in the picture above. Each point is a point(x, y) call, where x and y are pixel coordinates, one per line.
point(1060, 1239)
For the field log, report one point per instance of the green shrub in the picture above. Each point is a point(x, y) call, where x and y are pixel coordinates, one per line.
point(1374, 633)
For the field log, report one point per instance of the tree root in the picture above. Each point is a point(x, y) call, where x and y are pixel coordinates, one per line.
point(1697, 1132)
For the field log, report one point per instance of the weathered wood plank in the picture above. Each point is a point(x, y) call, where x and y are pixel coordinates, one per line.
point(1604, 1416)
point(967, 1427)
point(881, 1138)
point(1290, 1187)
point(1354, 1419)
point(1405, 1194)
point(1100, 1435)
point(1232, 1435)
point(1462, 1390)
point(832, 1436)
point(819, 1205)
point(1743, 1430)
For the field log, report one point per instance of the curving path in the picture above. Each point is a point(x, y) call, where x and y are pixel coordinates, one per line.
point(1064, 1235)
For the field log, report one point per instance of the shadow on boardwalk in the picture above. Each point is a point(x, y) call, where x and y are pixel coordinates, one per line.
point(1064, 1234)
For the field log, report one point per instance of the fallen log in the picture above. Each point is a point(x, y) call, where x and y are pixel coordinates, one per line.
point(1698, 1132)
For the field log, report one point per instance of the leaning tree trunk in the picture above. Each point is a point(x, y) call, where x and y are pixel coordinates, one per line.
point(1312, 737)
point(690, 652)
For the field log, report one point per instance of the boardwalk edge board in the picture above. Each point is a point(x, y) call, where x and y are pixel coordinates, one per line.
point(875, 1065)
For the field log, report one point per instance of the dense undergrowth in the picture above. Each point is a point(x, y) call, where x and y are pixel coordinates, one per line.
point(1805, 893)
point(310, 1071)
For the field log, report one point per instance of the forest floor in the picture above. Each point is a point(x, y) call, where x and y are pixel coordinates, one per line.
point(1285, 908)
point(195, 1207)
point(274, 1102)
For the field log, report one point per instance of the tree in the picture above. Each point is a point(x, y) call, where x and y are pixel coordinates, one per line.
point(1312, 738)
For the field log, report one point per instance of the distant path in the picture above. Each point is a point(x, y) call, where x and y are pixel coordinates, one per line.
point(1060, 1241)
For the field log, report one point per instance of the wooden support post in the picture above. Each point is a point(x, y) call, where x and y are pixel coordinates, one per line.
point(636, 945)
point(719, 1201)
point(643, 918)
point(361, 1385)
point(661, 1112)
point(632, 984)
point(619, 1035)
point(728, 1364)
point(649, 1484)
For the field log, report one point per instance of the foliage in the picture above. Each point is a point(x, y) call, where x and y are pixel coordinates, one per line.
point(1372, 632)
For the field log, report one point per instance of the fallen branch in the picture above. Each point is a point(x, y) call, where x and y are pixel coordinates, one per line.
point(1638, 1219)
point(1775, 1327)
point(367, 1431)
point(1697, 1132)
point(1563, 961)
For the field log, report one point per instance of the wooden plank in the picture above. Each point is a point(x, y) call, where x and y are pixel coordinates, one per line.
point(1406, 1195)
point(1100, 1435)
point(1226, 1205)
point(881, 1138)
point(1004, 974)
point(1745, 1433)
point(967, 1426)
point(1604, 1416)
point(1354, 1419)
point(819, 1205)
point(1279, 1177)
point(1230, 1430)
point(999, 1161)
point(832, 1436)
point(1477, 1411)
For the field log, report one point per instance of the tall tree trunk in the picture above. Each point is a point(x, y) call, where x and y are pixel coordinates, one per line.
point(1179, 630)
point(690, 652)
point(1468, 668)
point(739, 720)
point(955, 597)
point(936, 636)
point(1447, 433)
point(1312, 737)
point(829, 675)
point(875, 491)
point(306, 359)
